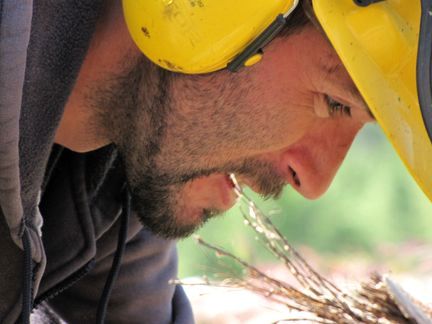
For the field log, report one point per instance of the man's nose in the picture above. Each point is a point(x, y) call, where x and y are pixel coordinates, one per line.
point(310, 165)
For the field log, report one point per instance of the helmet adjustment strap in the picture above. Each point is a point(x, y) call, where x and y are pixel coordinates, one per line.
point(258, 44)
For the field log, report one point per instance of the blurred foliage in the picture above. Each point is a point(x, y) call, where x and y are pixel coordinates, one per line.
point(372, 201)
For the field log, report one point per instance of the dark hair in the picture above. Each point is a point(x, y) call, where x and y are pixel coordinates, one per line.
point(296, 21)
point(302, 16)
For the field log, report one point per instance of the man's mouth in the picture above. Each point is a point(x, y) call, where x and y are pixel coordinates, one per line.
point(214, 191)
point(270, 186)
point(228, 194)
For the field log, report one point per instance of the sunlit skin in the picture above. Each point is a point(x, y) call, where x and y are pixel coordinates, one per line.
point(280, 115)
point(286, 120)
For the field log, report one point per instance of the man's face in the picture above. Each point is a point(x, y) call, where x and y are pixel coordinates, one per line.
point(288, 120)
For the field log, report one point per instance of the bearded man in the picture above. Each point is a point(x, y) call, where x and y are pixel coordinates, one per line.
point(106, 136)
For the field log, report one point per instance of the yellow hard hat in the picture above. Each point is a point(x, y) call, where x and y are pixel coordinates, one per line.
point(378, 43)
point(200, 36)
point(377, 40)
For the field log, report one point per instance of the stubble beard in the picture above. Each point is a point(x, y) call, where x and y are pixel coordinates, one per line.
point(132, 110)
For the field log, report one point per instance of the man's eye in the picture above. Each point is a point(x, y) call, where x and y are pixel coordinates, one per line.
point(336, 108)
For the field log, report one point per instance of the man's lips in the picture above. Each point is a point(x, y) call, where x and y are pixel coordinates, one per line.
point(290, 177)
point(217, 191)
point(227, 193)
point(212, 192)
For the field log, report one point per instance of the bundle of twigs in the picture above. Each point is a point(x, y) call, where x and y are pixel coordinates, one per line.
point(379, 300)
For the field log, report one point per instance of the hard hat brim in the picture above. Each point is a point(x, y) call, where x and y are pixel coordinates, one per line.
point(378, 46)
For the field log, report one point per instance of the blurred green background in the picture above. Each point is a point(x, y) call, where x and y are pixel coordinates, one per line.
point(372, 201)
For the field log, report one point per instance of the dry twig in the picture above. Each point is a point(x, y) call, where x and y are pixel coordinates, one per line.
point(320, 300)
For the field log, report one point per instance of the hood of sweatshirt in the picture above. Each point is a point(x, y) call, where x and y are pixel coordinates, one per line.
point(42, 46)
point(15, 25)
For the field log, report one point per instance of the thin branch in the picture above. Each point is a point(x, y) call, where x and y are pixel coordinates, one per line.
point(318, 297)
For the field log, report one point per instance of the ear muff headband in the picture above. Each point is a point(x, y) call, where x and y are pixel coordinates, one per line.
point(201, 36)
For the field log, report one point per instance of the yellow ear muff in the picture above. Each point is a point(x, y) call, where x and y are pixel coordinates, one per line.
point(200, 36)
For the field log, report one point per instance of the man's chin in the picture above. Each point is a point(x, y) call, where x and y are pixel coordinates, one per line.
point(169, 213)
point(171, 227)
point(170, 230)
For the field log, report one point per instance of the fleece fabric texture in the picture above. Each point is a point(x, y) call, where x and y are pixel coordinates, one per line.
point(15, 24)
point(76, 195)
point(90, 204)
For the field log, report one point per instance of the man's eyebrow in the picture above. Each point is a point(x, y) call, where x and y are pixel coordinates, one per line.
point(331, 68)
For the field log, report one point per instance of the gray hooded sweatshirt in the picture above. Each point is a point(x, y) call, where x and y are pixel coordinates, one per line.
point(59, 210)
